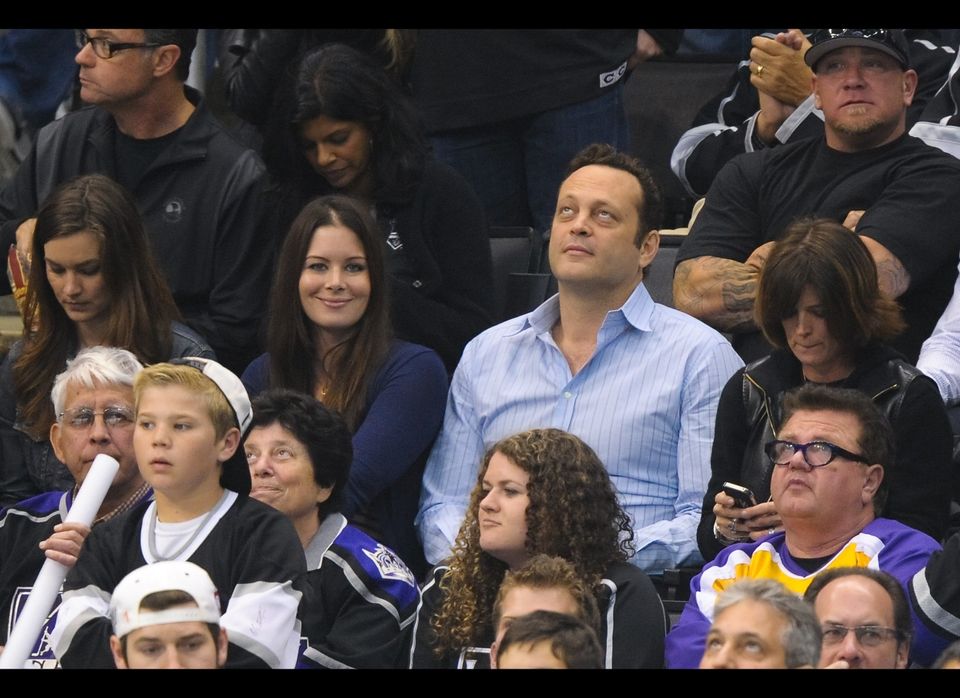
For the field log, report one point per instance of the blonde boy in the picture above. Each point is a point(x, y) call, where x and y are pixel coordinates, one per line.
point(191, 415)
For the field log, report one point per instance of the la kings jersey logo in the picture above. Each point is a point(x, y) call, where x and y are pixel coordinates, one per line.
point(389, 565)
point(41, 656)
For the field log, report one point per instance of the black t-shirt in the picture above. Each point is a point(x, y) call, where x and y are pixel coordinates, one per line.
point(135, 155)
point(909, 191)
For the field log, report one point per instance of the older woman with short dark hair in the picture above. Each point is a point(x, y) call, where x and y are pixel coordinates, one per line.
point(819, 303)
point(359, 598)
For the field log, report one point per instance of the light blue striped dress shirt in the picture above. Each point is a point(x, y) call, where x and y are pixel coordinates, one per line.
point(646, 402)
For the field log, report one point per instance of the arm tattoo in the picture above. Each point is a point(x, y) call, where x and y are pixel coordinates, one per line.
point(718, 291)
point(892, 277)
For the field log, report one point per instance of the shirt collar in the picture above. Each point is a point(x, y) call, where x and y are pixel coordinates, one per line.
point(329, 529)
point(636, 311)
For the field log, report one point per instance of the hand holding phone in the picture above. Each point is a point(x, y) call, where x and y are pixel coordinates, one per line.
point(742, 496)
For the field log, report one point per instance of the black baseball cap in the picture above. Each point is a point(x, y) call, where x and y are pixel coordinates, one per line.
point(890, 41)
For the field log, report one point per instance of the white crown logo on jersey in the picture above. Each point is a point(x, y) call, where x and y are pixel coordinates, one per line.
point(389, 565)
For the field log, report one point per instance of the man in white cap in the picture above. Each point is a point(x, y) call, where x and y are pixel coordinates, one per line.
point(167, 616)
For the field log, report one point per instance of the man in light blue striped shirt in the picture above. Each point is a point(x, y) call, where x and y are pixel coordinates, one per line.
point(639, 382)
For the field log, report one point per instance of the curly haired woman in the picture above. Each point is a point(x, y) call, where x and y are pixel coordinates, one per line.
point(540, 491)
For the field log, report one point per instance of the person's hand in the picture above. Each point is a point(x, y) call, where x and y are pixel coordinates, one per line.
point(762, 520)
point(64, 544)
point(25, 244)
point(758, 258)
point(795, 39)
point(777, 68)
point(839, 664)
point(647, 47)
point(729, 518)
point(852, 219)
point(771, 116)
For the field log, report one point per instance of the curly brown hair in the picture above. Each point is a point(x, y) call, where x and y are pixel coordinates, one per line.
point(573, 513)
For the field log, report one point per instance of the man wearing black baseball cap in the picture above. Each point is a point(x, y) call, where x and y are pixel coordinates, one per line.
point(863, 83)
point(894, 191)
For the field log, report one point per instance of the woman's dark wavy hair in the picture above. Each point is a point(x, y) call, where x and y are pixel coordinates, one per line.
point(142, 307)
point(833, 260)
point(343, 84)
point(573, 513)
point(323, 433)
point(291, 342)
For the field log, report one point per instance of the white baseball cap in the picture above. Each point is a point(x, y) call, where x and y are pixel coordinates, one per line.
point(236, 471)
point(169, 575)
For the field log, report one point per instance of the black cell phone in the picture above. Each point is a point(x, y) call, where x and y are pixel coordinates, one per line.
point(743, 496)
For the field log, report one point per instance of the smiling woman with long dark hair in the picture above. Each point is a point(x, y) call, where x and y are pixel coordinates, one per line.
point(329, 336)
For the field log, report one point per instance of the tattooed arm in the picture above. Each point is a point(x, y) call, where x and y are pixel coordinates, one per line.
point(893, 277)
point(720, 291)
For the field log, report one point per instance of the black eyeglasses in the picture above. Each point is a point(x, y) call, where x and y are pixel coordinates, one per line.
point(82, 418)
point(105, 48)
point(816, 454)
point(867, 635)
point(825, 34)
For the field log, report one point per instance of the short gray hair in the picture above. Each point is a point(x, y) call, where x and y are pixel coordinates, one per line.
point(95, 366)
point(803, 636)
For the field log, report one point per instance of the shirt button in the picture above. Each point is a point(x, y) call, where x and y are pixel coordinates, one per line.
point(417, 283)
point(568, 394)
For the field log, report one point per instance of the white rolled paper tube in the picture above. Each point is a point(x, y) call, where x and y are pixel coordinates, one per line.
point(45, 589)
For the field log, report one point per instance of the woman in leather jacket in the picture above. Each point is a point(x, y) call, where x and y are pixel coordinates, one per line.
point(819, 302)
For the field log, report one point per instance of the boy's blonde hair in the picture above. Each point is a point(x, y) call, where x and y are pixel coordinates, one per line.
point(165, 374)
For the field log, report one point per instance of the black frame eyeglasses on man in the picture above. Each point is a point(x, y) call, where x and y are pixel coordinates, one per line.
point(106, 48)
point(867, 635)
point(816, 454)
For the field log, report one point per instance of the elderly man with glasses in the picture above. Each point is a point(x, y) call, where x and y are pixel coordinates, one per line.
point(93, 401)
point(829, 489)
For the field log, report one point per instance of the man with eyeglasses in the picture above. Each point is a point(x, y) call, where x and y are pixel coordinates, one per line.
point(828, 487)
point(197, 188)
point(864, 617)
point(93, 401)
point(865, 171)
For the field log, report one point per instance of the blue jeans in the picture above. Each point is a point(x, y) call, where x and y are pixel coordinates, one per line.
point(36, 72)
point(516, 166)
